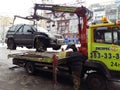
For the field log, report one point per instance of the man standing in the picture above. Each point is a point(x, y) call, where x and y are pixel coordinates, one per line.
point(75, 62)
point(62, 54)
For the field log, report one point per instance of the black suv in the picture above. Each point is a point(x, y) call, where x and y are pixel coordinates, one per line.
point(27, 35)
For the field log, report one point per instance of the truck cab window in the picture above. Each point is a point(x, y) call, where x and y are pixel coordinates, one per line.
point(108, 36)
point(115, 37)
point(99, 36)
point(103, 35)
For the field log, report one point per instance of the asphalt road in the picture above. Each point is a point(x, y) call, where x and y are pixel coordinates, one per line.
point(18, 79)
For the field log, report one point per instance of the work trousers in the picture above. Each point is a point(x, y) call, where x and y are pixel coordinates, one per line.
point(76, 79)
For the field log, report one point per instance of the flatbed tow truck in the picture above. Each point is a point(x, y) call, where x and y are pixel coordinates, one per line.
point(100, 44)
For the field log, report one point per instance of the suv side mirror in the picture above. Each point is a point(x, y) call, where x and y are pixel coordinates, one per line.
point(53, 25)
point(29, 30)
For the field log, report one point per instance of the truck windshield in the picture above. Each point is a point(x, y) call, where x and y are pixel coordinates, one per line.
point(106, 35)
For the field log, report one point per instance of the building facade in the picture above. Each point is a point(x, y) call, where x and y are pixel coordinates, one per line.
point(110, 10)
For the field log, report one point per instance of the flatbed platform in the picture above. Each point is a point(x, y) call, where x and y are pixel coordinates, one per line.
point(45, 57)
point(33, 56)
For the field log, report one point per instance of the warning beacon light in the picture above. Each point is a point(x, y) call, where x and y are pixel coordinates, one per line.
point(104, 20)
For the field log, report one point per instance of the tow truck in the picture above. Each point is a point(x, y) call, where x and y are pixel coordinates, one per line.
point(99, 44)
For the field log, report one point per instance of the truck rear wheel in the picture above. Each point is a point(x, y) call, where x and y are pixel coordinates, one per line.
point(96, 81)
point(30, 68)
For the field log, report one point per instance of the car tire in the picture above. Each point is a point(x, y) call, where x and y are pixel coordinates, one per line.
point(40, 46)
point(56, 47)
point(30, 68)
point(96, 81)
point(11, 44)
point(29, 47)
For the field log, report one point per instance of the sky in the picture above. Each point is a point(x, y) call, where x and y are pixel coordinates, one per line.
point(12, 7)
point(23, 7)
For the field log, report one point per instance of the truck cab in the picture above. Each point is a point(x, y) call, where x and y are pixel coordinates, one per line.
point(104, 44)
point(103, 54)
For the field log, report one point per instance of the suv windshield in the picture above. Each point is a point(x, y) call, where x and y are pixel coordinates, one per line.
point(41, 29)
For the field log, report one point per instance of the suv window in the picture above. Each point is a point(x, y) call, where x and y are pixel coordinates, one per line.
point(34, 28)
point(26, 28)
point(12, 28)
point(19, 29)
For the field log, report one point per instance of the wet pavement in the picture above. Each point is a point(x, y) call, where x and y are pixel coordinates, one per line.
point(18, 79)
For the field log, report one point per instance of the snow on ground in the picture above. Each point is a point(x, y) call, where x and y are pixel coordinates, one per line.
point(63, 46)
point(3, 45)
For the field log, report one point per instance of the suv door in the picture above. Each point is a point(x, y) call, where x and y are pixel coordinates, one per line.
point(18, 35)
point(28, 35)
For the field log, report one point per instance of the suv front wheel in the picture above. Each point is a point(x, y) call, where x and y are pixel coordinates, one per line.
point(56, 47)
point(40, 46)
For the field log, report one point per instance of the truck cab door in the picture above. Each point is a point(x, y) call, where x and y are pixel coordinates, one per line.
point(105, 47)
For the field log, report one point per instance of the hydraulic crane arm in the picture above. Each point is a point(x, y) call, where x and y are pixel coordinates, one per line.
point(32, 18)
point(83, 15)
point(80, 11)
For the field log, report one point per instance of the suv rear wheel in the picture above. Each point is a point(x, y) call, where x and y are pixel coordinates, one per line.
point(40, 46)
point(11, 44)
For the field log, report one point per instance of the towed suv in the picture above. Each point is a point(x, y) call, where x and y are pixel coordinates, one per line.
point(27, 35)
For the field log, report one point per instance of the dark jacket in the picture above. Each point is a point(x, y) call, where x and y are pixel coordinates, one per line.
point(75, 61)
